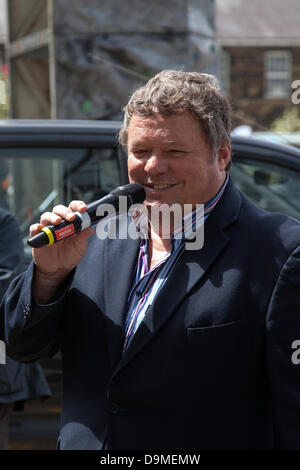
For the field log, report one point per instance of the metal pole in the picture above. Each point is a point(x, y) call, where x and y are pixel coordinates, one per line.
point(52, 68)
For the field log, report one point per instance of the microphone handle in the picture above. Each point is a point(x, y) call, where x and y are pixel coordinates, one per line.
point(133, 193)
point(54, 233)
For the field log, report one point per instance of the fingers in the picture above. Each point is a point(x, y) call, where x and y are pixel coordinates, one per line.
point(49, 218)
point(61, 212)
point(58, 214)
point(35, 229)
point(79, 206)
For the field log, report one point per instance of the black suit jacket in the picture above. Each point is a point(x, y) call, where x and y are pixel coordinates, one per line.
point(210, 366)
point(18, 382)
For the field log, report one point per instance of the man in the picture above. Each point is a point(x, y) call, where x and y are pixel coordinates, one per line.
point(165, 347)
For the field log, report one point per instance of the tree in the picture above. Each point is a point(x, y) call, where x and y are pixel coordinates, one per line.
point(289, 121)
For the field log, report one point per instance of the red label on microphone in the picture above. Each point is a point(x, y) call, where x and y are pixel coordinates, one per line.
point(64, 232)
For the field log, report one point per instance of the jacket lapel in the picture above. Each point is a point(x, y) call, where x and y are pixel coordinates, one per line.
point(188, 271)
point(119, 264)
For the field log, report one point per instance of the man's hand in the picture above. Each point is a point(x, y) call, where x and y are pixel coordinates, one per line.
point(54, 263)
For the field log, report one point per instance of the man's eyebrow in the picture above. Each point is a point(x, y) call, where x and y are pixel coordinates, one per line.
point(173, 142)
point(137, 143)
point(170, 142)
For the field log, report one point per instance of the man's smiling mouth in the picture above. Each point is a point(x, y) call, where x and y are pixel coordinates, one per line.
point(159, 186)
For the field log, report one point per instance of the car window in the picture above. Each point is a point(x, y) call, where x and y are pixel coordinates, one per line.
point(34, 180)
point(270, 186)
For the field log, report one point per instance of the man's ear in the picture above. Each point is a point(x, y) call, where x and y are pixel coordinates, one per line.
point(223, 156)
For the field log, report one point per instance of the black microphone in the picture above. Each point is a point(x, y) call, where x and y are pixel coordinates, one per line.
point(134, 194)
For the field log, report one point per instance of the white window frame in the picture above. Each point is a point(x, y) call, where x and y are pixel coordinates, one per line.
point(270, 75)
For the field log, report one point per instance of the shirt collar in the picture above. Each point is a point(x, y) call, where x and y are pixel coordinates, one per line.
point(190, 222)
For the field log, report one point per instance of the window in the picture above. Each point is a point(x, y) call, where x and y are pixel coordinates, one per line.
point(272, 187)
point(277, 74)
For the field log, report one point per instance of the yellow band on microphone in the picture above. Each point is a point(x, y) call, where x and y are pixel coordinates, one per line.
point(49, 235)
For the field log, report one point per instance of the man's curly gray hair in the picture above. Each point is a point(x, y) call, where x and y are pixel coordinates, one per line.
point(174, 91)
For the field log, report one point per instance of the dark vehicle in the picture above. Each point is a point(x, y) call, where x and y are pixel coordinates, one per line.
point(43, 163)
point(268, 173)
point(46, 162)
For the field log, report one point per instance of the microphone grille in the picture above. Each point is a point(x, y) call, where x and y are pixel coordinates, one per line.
point(135, 192)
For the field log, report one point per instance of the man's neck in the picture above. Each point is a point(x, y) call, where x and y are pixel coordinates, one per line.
point(158, 247)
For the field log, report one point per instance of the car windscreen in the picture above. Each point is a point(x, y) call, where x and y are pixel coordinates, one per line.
point(271, 186)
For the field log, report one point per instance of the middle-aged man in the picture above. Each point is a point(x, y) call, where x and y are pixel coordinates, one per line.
point(165, 347)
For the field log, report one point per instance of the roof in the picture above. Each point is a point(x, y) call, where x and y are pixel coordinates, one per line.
point(57, 132)
point(267, 21)
point(56, 125)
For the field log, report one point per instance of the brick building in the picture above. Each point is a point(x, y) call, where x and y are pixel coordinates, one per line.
point(260, 57)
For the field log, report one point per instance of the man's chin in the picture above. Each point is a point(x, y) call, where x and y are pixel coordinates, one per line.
point(156, 202)
point(156, 205)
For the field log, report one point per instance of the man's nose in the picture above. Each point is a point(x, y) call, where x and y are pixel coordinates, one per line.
point(156, 164)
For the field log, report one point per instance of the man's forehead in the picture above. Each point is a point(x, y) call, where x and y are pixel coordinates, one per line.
point(152, 121)
point(166, 136)
point(154, 118)
point(170, 129)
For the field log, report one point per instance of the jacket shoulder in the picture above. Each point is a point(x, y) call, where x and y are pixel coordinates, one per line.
point(273, 228)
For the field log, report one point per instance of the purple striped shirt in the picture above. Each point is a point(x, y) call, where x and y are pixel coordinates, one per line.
point(148, 283)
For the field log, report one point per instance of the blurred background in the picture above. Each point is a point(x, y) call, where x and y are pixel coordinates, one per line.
point(82, 59)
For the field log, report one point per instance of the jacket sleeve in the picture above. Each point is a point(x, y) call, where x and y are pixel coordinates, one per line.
point(30, 331)
point(11, 249)
point(282, 336)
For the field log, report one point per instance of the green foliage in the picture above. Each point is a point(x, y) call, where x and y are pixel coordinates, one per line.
point(289, 121)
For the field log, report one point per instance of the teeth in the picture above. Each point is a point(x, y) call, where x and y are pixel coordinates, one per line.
point(161, 186)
